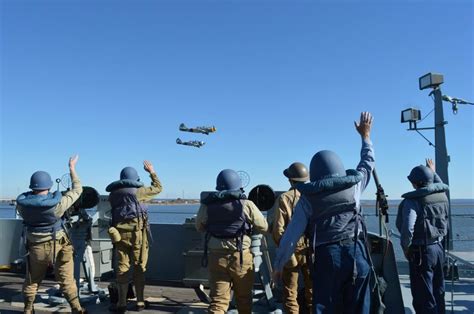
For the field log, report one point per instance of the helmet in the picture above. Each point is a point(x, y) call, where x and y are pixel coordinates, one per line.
point(324, 164)
point(40, 180)
point(421, 175)
point(129, 173)
point(296, 172)
point(228, 180)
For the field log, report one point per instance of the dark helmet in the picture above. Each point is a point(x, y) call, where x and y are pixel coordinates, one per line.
point(129, 173)
point(228, 179)
point(297, 172)
point(40, 180)
point(421, 176)
point(326, 164)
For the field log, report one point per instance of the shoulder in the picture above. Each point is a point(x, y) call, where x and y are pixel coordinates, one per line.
point(250, 209)
point(408, 204)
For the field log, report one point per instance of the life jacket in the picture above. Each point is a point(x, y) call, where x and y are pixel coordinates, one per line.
point(335, 215)
point(39, 216)
point(226, 219)
point(124, 202)
point(432, 213)
point(39, 212)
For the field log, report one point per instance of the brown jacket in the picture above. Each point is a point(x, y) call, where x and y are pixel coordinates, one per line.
point(283, 210)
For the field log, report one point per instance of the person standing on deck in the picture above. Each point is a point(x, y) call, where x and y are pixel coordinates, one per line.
point(46, 237)
point(228, 219)
point(422, 220)
point(329, 208)
point(130, 230)
point(284, 206)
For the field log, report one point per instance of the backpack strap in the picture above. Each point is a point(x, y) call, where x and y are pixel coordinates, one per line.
point(204, 259)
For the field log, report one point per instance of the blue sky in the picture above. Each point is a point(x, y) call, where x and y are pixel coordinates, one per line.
point(112, 81)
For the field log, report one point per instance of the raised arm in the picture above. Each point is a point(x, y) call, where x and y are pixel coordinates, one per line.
point(367, 161)
point(148, 192)
point(430, 164)
point(76, 189)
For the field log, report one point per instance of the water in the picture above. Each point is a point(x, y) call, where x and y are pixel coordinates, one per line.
point(462, 218)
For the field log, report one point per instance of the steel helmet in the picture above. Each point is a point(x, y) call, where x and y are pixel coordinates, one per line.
point(228, 179)
point(421, 175)
point(325, 164)
point(40, 180)
point(297, 172)
point(129, 173)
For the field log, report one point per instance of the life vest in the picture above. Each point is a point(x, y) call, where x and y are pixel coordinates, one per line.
point(124, 202)
point(226, 219)
point(39, 212)
point(432, 213)
point(335, 215)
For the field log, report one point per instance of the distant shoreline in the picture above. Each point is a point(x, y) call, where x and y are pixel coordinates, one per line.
point(464, 202)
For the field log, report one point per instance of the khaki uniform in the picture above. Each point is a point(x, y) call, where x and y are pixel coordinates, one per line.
point(133, 248)
point(283, 212)
point(225, 270)
point(41, 248)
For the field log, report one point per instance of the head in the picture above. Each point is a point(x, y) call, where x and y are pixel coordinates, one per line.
point(129, 173)
point(228, 179)
point(421, 176)
point(296, 172)
point(326, 164)
point(40, 182)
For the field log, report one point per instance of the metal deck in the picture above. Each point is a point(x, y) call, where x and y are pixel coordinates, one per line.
point(169, 299)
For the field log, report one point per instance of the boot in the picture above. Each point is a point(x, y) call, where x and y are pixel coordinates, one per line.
point(122, 297)
point(76, 307)
point(139, 282)
point(28, 307)
point(29, 311)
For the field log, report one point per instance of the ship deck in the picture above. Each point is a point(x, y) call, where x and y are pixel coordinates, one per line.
point(177, 299)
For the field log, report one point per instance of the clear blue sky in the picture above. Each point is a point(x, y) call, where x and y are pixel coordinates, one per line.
point(281, 80)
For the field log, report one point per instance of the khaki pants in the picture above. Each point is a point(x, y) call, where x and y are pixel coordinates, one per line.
point(39, 258)
point(132, 249)
point(290, 285)
point(226, 273)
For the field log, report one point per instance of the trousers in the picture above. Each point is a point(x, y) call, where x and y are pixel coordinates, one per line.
point(39, 258)
point(226, 272)
point(132, 251)
point(334, 287)
point(427, 278)
point(290, 285)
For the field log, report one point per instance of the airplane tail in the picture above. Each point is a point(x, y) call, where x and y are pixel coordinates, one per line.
point(182, 127)
point(178, 141)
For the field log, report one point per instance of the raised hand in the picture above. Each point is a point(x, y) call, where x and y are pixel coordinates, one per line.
point(430, 164)
point(72, 162)
point(148, 166)
point(365, 124)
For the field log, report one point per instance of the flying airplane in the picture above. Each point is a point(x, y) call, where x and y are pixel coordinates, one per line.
point(197, 144)
point(200, 129)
